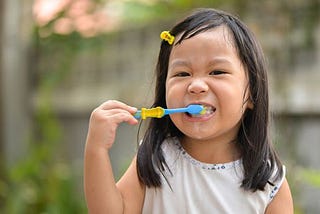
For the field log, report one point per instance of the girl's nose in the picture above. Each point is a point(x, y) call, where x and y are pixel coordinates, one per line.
point(198, 86)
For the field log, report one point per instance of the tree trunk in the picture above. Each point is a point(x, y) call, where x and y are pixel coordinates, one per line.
point(1, 93)
point(15, 109)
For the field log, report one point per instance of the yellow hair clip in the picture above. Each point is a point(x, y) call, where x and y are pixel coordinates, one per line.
point(165, 35)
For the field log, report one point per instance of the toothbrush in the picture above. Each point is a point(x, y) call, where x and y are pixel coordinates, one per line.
point(159, 112)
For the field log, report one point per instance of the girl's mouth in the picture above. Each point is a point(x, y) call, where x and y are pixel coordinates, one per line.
point(209, 110)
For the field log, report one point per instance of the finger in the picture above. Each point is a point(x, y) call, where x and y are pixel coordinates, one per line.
point(114, 111)
point(101, 114)
point(122, 116)
point(111, 104)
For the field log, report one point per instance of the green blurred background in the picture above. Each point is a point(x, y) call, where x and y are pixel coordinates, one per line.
point(62, 58)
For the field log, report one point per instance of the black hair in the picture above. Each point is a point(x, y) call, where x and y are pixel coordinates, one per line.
point(258, 156)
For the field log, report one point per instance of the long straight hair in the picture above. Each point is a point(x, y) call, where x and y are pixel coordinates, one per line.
point(258, 156)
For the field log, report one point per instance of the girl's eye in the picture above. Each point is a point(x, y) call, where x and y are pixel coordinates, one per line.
point(217, 72)
point(182, 74)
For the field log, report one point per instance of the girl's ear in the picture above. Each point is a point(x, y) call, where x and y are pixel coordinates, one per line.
point(250, 104)
point(248, 99)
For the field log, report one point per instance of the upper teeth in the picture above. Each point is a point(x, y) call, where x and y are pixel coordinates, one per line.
point(209, 109)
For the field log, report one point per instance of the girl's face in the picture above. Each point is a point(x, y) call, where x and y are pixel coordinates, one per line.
point(206, 69)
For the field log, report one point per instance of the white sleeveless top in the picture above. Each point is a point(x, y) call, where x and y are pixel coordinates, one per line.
point(204, 188)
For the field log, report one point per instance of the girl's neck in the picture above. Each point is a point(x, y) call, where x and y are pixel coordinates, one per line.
point(211, 152)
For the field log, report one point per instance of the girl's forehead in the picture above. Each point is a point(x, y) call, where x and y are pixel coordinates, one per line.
point(219, 40)
point(221, 29)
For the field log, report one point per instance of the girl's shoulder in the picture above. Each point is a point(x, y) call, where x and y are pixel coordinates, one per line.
point(274, 185)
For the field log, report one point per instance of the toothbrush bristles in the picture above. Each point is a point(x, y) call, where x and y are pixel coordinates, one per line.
point(203, 111)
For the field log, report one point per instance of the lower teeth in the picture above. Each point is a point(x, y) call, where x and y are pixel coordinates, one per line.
point(197, 115)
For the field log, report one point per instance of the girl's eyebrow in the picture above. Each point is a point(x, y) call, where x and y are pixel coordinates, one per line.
point(219, 60)
point(214, 61)
point(179, 62)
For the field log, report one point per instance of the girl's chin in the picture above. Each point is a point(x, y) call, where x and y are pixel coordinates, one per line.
point(197, 132)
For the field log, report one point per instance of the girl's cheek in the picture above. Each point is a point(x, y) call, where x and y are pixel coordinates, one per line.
point(173, 96)
point(172, 101)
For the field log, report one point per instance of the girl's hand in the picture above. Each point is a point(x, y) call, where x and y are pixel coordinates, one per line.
point(104, 121)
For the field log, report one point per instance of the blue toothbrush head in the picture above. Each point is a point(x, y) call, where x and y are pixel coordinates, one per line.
point(196, 109)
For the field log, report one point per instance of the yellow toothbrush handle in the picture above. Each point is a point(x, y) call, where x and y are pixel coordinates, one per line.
point(157, 112)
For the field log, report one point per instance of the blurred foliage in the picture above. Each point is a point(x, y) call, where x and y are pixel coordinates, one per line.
point(44, 182)
point(139, 12)
point(299, 178)
point(311, 176)
point(41, 183)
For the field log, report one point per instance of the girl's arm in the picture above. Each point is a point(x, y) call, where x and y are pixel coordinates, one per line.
point(133, 200)
point(282, 202)
point(101, 191)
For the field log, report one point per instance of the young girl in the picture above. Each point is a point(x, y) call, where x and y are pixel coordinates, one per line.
point(219, 162)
